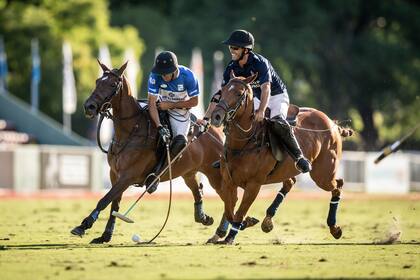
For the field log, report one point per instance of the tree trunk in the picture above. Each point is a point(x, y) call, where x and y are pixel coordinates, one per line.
point(369, 132)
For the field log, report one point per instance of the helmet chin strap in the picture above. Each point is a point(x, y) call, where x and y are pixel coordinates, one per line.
point(173, 74)
point(242, 55)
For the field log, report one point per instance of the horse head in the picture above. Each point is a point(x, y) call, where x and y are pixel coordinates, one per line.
point(108, 86)
point(233, 95)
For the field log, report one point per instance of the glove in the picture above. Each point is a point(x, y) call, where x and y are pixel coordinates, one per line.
point(164, 133)
point(205, 125)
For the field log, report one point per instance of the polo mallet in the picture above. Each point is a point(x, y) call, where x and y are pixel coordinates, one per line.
point(394, 146)
point(124, 216)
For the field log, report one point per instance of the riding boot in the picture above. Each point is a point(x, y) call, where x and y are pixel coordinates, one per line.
point(283, 130)
point(178, 143)
point(151, 188)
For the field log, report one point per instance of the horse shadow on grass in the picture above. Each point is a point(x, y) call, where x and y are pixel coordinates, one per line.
point(66, 246)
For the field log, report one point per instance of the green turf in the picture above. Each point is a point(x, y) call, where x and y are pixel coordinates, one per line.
point(35, 242)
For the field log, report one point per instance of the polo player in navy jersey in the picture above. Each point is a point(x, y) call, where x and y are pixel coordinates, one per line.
point(268, 90)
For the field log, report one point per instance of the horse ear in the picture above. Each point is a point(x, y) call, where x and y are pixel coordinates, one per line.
point(103, 66)
point(232, 74)
point(250, 79)
point(122, 68)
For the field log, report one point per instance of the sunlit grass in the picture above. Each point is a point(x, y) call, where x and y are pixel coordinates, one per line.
point(36, 244)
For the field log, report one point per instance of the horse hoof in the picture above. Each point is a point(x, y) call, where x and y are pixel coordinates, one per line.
point(336, 232)
point(213, 240)
point(79, 231)
point(207, 221)
point(250, 222)
point(98, 240)
point(226, 241)
point(104, 238)
point(267, 224)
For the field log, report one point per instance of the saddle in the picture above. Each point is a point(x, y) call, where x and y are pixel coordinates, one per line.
point(164, 119)
point(277, 146)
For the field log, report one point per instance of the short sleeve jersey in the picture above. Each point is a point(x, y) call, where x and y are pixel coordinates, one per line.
point(182, 88)
point(256, 64)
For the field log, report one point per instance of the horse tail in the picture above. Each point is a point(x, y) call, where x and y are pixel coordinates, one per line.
point(345, 132)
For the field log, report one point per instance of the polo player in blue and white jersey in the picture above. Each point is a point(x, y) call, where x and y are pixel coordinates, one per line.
point(173, 88)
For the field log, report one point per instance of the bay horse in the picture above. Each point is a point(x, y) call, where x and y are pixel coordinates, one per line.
point(132, 153)
point(248, 161)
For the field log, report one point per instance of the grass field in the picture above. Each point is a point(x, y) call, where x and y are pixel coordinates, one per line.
point(35, 242)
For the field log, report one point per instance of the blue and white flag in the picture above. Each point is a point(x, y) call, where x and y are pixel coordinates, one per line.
point(69, 84)
point(36, 74)
point(3, 67)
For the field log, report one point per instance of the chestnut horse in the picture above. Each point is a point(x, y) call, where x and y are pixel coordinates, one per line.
point(132, 154)
point(248, 161)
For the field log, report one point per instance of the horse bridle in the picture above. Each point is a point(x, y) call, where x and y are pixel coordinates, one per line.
point(105, 112)
point(230, 113)
point(106, 105)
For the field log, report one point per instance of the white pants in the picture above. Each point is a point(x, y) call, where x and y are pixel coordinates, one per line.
point(180, 122)
point(278, 104)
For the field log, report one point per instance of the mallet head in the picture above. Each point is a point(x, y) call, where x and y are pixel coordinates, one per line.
point(122, 217)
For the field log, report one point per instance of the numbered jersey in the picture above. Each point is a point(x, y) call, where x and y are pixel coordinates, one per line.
point(182, 88)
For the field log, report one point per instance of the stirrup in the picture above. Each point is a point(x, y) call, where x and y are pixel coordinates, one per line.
point(303, 165)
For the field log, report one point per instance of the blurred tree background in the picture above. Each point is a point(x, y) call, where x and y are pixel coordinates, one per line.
point(83, 23)
point(353, 59)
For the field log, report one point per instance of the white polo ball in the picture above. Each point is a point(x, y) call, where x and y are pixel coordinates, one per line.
point(135, 238)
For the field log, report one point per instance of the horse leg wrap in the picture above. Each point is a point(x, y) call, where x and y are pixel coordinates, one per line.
point(331, 220)
point(223, 227)
point(89, 220)
point(233, 231)
point(271, 211)
point(198, 211)
point(110, 225)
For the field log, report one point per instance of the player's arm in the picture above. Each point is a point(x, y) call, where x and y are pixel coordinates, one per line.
point(153, 112)
point(264, 76)
point(265, 97)
point(213, 102)
point(192, 102)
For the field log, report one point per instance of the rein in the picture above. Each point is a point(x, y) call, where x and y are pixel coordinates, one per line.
point(105, 112)
point(231, 113)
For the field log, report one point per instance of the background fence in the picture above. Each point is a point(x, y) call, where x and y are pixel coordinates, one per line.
point(34, 168)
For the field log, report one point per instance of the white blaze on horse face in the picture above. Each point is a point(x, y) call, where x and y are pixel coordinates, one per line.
point(230, 88)
point(104, 78)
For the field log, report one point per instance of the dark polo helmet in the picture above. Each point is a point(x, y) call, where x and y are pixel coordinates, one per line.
point(240, 38)
point(165, 63)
